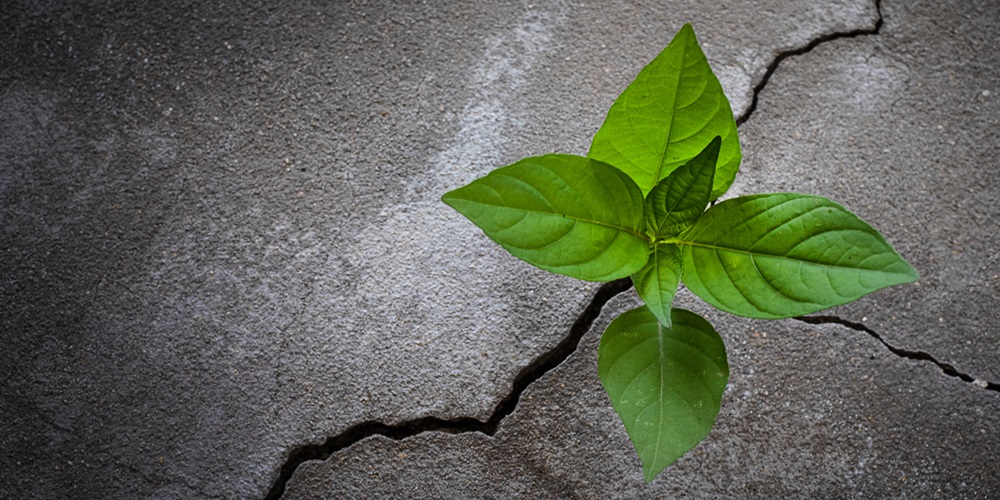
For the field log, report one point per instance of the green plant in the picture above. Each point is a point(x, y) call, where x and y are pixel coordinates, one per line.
point(636, 206)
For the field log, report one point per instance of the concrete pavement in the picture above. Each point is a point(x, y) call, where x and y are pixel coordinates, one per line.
point(222, 250)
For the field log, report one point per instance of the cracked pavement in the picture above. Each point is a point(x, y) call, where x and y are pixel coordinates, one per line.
point(222, 251)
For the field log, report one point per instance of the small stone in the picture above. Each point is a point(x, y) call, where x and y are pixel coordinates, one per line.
point(986, 93)
point(981, 383)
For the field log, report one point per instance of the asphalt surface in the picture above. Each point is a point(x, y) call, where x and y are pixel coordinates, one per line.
point(225, 271)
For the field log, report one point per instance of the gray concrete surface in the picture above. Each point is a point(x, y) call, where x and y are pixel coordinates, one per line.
point(221, 241)
point(810, 412)
point(903, 128)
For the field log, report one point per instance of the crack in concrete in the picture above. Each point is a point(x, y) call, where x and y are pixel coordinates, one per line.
point(555, 356)
point(829, 37)
point(946, 368)
point(402, 430)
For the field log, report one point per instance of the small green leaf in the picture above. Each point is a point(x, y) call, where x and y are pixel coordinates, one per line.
point(566, 214)
point(677, 201)
point(657, 281)
point(667, 115)
point(786, 254)
point(666, 384)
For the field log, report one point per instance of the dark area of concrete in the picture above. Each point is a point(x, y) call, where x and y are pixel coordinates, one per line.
point(220, 242)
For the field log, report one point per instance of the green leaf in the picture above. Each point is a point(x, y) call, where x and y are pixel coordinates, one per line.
point(786, 254)
point(666, 384)
point(667, 115)
point(566, 214)
point(657, 281)
point(677, 201)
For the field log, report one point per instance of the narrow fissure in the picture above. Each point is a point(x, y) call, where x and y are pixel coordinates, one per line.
point(528, 375)
point(771, 68)
point(555, 356)
point(945, 368)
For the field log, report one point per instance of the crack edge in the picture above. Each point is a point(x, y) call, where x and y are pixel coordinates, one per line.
point(815, 42)
point(532, 372)
point(552, 358)
point(923, 356)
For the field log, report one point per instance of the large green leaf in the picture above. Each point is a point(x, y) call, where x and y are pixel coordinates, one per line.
point(657, 281)
point(677, 201)
point(566, 214)
point(667, 115)
point(666, 384)
point(786, 254)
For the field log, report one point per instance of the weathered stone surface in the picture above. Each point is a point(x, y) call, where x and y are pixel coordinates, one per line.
point(902, 128)
point(811, 411)
point(220, 235)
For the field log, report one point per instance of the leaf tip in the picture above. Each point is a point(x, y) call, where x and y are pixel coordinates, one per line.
point(648, 475)
point(911, 273)
point(685, 36)
point(650, 471)
point(449, 198)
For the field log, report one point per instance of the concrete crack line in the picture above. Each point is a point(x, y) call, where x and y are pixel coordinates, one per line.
point(771, 68)
point(945, 368)
point(541, 365)
point(408, 428)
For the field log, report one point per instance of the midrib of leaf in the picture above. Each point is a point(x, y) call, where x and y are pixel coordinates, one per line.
point(763, 278)
point(673, 108)
point(680, 199)
point(752, 254)
point(567, 216)
point(663, 385)
point(671, 209)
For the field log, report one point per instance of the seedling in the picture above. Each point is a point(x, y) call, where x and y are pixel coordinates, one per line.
point(638, 205)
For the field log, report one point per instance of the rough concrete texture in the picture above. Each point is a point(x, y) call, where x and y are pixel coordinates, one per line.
point(904, 129)
point(810, 412)
point(221, 241)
